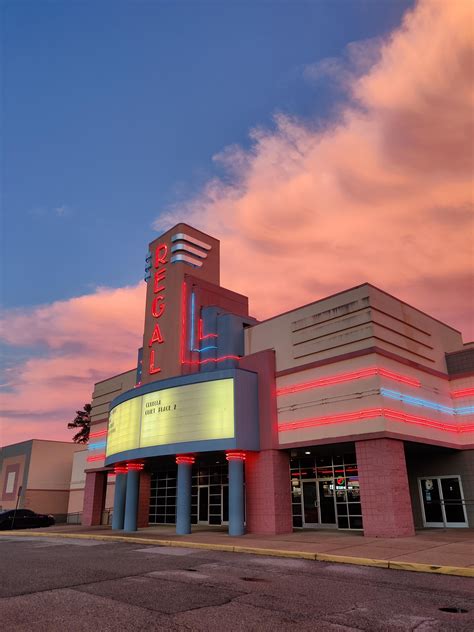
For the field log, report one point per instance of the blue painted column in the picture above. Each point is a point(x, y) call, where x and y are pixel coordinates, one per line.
point(119, 497)
point(131, 497)
point(183, 498)
point(236, 492)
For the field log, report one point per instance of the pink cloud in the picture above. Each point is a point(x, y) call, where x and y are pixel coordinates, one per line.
point(383, 193)
point(83, 340)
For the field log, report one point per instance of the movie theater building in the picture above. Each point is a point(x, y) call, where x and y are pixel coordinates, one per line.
point(352, 412)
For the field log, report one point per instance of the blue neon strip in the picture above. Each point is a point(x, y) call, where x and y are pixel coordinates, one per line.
point(97, 446)
point(424, 403)
point(205, 349)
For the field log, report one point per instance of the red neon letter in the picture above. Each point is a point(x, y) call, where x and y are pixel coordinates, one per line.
point(159, 276)
point(152, 368)
point(161, 253)
point(157, 310)
point(157, 336)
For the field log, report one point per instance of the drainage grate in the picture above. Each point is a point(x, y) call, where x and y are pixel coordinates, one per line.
point(454, 610)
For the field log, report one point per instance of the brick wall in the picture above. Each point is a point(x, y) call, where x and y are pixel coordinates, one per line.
point(94, 498)
point(384, 491)
point(267, 492)
point(144, 500)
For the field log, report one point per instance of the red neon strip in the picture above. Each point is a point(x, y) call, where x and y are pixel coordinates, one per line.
point(99, 433)
point(464, 392)
point(120, 469)
point(188, 460)
point(135, 467)
point(183, 321)
point(99, 457)
point(369, 414)
point(200, 332)
point(348, 377)
point(235, 456)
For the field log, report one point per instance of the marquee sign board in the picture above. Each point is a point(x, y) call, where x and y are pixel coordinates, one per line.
point(193, 412)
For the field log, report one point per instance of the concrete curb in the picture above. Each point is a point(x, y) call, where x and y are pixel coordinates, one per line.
point(461, 571)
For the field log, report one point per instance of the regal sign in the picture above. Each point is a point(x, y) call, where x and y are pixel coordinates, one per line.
point(178, 256)
point(158, 304)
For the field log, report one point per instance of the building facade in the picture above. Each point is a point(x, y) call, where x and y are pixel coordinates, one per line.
point(352, 412)
point(36, 475)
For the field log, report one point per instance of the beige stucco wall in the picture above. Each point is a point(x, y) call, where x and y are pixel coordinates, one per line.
point(357, 320)
point(106, 390)
point(51, 465)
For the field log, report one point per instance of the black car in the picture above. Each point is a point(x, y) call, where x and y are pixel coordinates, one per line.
point(24, 519)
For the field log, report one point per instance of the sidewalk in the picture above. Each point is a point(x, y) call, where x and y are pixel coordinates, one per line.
point(446, 551)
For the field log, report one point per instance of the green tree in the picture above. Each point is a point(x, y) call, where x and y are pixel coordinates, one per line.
point(82, 421)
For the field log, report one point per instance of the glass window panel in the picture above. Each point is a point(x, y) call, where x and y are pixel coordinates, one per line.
point(356, 522)
point(297, 509)
point(170, 519)
point(297, 521)
point(215, 489)
point(355, 509)
point(350, 458)
point(338, 459)
point(343, 522)
point(341, 495)
point(215, 519)
point(215, 510)
point(342, 509)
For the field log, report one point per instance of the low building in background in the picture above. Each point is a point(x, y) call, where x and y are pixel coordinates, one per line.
point(353, 412)
point(37, 474)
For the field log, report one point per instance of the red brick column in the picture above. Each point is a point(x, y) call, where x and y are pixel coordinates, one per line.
point(267, 492)
point(94, 498)
point(384, 491)
point(144, 500)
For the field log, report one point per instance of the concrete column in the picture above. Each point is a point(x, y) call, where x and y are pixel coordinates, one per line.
point(119, 497)
point(183, 497)
point(384, 491)
point(268, 493)
point(131, 498)
point(236, 492)
point(94, 498)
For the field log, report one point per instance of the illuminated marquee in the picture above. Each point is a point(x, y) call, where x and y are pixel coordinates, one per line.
point(188, 413)
point(158, 304)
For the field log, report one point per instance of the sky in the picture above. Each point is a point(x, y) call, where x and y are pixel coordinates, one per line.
point(325, 143)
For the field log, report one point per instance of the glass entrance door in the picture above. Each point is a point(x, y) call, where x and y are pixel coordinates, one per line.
point(310, 504)
point(443, 502)
point(318, 503)
point(327, 509)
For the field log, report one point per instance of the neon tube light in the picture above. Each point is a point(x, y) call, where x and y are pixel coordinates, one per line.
point(99, 433)
point(235, 456)
point(200, 336)
point(99, 457)
point(348, 377)
point(464, 392)
point(371, 413)
point(183, 459)
point(200, 332)
point(425, 403)
point(97, 446)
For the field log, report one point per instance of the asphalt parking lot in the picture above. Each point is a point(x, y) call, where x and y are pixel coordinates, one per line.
point(50, 584)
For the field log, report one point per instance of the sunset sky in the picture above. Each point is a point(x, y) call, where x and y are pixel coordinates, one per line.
point(325, 143)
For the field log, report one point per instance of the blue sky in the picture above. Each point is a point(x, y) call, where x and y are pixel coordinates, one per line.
point(112, 112)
